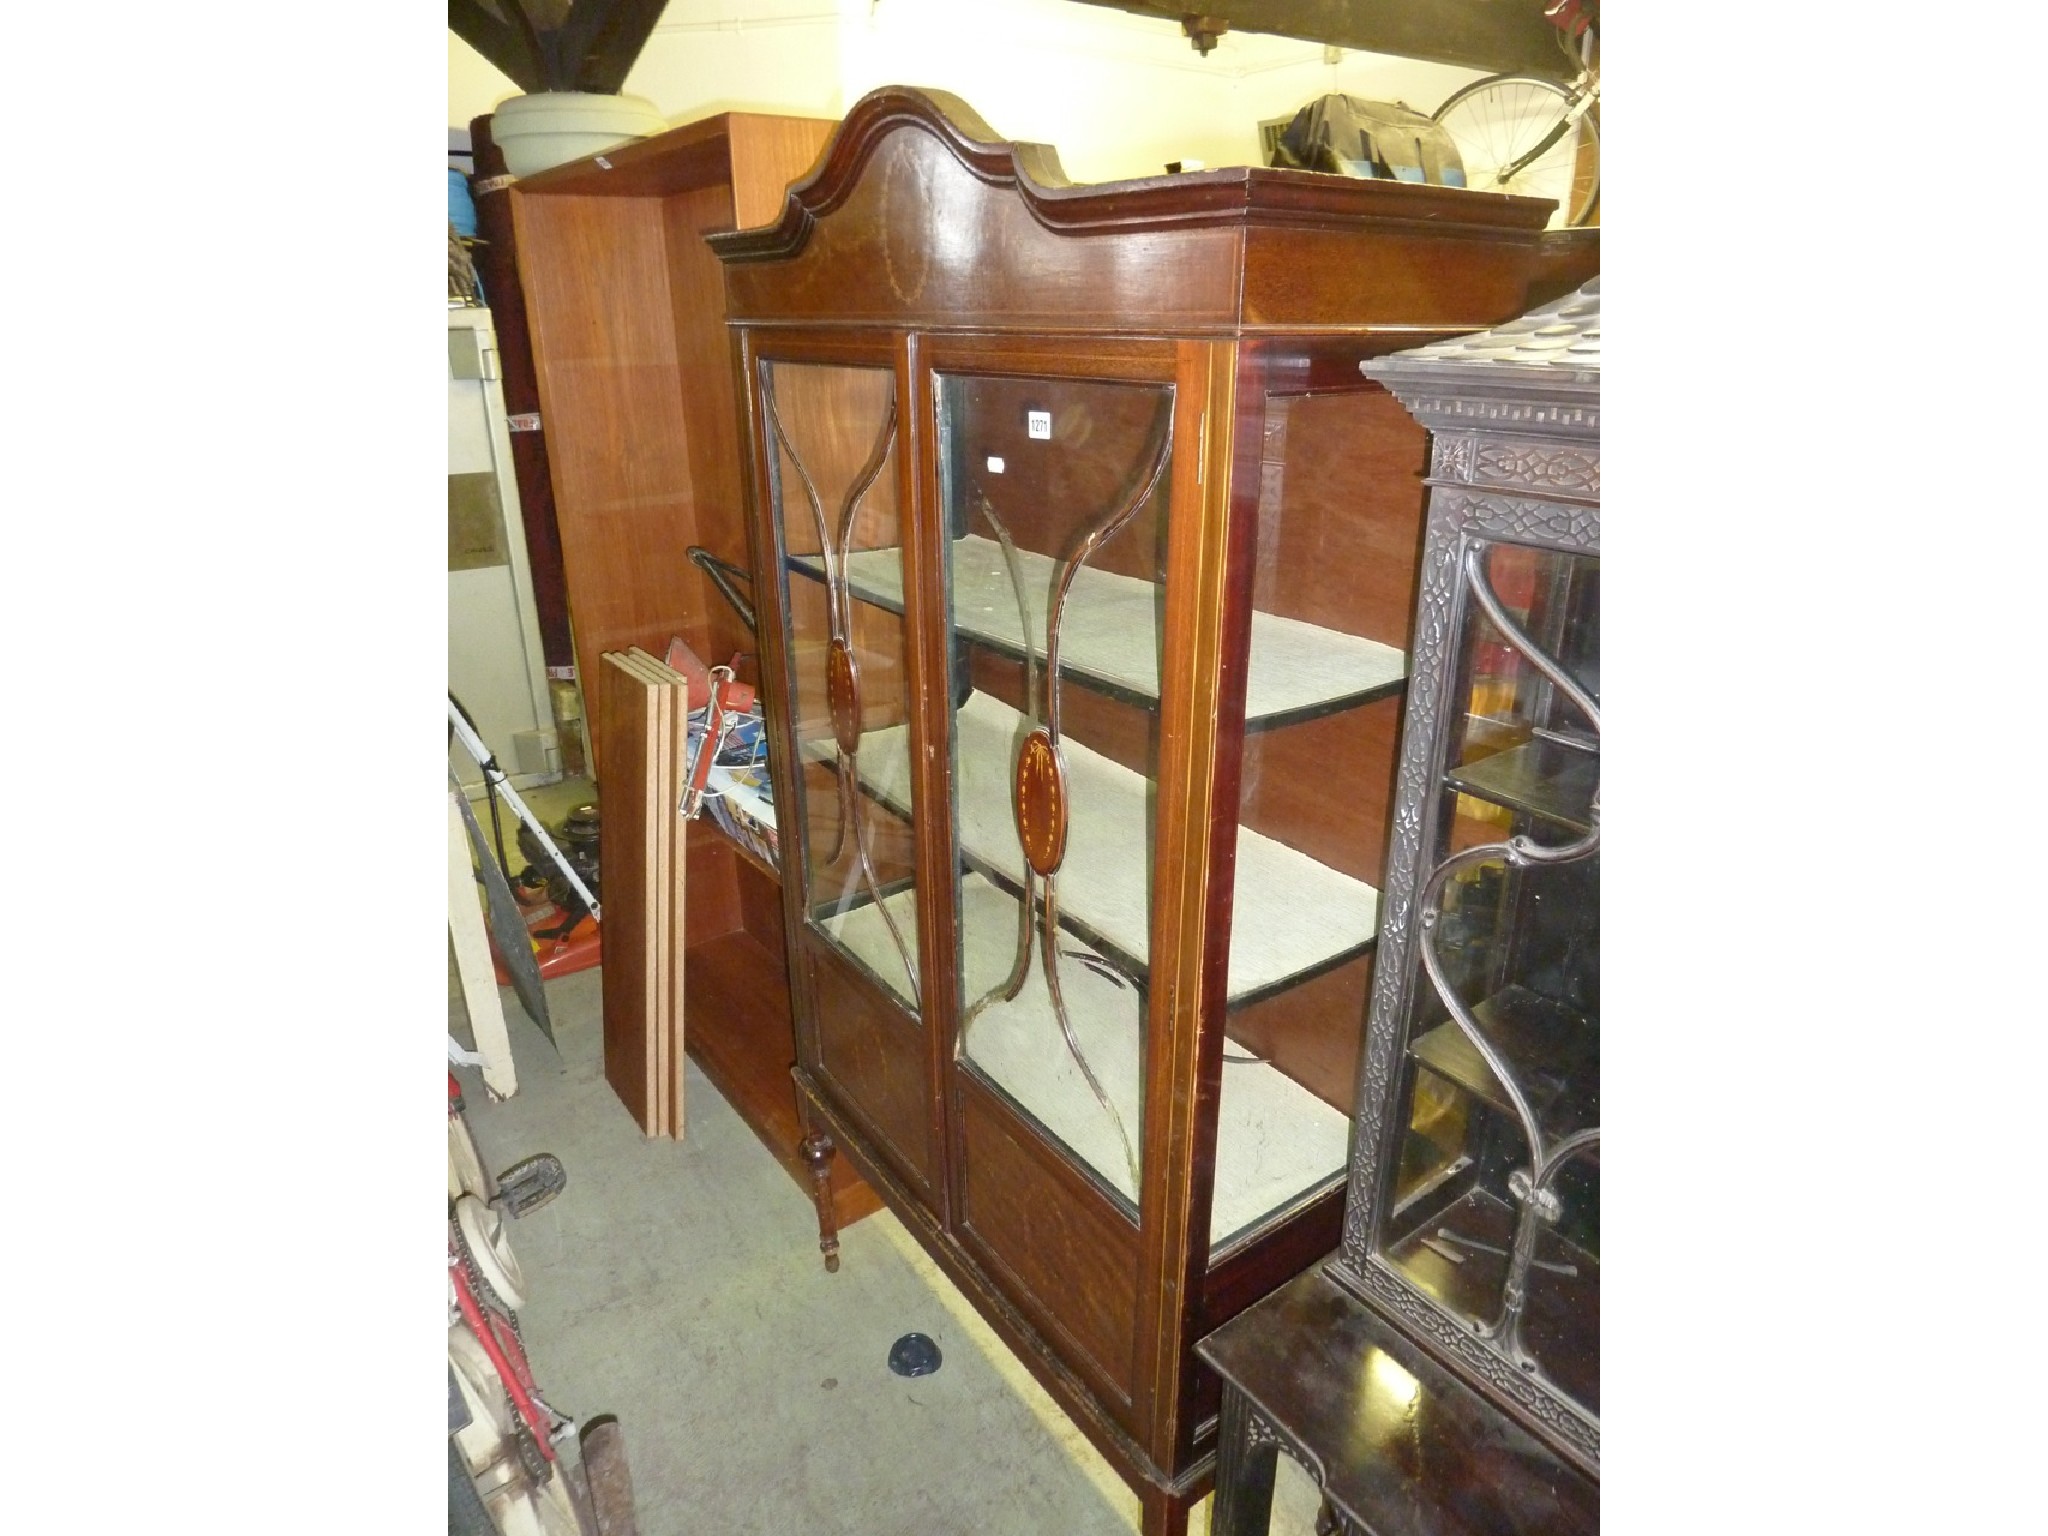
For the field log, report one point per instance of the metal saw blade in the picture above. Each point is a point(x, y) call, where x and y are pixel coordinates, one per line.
point(508, 926)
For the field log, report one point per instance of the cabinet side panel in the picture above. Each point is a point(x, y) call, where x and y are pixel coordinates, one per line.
point(713, 890)
point(760, 905)
point(1337, 532)
point(1291, 1030)
point(1290, 797)
point(1051, 1241)
point(1340, 512)
point(697, 293)
point(1296, 277)
point(597, 294)
point(874, 1057)
point(768, 153)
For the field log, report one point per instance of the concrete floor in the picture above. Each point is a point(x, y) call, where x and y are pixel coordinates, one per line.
point(677, 1285)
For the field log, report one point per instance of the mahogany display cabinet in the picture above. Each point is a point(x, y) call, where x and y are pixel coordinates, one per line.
point(1088, 559)
point(1440, 1374)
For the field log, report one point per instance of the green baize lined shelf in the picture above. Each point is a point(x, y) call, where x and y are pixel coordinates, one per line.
point(1293, 915)
point(1275, 1141)
point(1110, 632)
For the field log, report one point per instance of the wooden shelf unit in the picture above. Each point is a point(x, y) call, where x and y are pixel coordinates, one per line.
point(626, 308)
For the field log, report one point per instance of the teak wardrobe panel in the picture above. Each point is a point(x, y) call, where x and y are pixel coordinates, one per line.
point(626, 307)
point(597, 288)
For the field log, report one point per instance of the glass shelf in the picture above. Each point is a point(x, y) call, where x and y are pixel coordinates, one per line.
point(1295, 917)
point(1545, 1044)
point(1542, 777)
point(1110, 638)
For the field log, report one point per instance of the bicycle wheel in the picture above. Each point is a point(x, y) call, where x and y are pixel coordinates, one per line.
point(465, 1168)
point(483, 1233)
point(1499, 121)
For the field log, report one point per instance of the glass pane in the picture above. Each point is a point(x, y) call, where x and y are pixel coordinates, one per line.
point(1524, 751)
point(1056, 498)
point(832, 476)
point(1497, 1192)
point(1339, 526)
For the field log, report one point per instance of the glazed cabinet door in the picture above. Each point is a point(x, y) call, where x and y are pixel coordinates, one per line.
point(1490, 1201)
point(826, 422)
point(1054, 492)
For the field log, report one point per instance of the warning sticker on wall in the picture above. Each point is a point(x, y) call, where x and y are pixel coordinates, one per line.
point(476, 523)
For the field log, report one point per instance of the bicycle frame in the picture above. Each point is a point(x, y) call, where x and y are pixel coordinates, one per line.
point(509, 1362)
point(1582, 102)
point(1576, 38)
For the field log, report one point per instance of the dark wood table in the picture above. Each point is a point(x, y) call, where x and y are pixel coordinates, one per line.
point(1398, 1445)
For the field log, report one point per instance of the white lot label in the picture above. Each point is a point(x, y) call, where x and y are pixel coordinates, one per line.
point(1038, 424)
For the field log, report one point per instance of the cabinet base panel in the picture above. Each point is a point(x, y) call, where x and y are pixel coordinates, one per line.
point(1164, 1500)
point(736, 1006)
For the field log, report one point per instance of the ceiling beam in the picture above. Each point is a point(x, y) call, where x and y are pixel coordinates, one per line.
point(1493, 35)
point(505, 37)
point(545, 45)
point(602, 39)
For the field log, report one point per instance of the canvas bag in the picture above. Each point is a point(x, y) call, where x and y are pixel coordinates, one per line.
point(1387, 140)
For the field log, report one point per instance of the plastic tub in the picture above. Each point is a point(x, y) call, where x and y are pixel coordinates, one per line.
point(551, 128)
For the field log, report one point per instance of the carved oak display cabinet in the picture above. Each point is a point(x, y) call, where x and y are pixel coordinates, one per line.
point(1086, 560)
point(1440, 1375)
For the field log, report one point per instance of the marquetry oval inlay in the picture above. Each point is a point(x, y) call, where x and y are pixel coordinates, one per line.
point(842, 692)
point(906, 214)
point(1041, 802)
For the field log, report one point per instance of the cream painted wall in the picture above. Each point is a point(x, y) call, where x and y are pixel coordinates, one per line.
point(475, 84)
point(710, 56)
point(1117, 95)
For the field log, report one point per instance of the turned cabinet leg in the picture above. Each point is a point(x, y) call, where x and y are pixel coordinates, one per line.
point(818, 1152)
point(1245, 1463)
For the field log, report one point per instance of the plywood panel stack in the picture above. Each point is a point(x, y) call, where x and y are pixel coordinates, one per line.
point(645, 726)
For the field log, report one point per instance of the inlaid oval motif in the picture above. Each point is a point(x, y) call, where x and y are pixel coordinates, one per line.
point(1040, 802)
point(906, 214)
point(842, 693)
